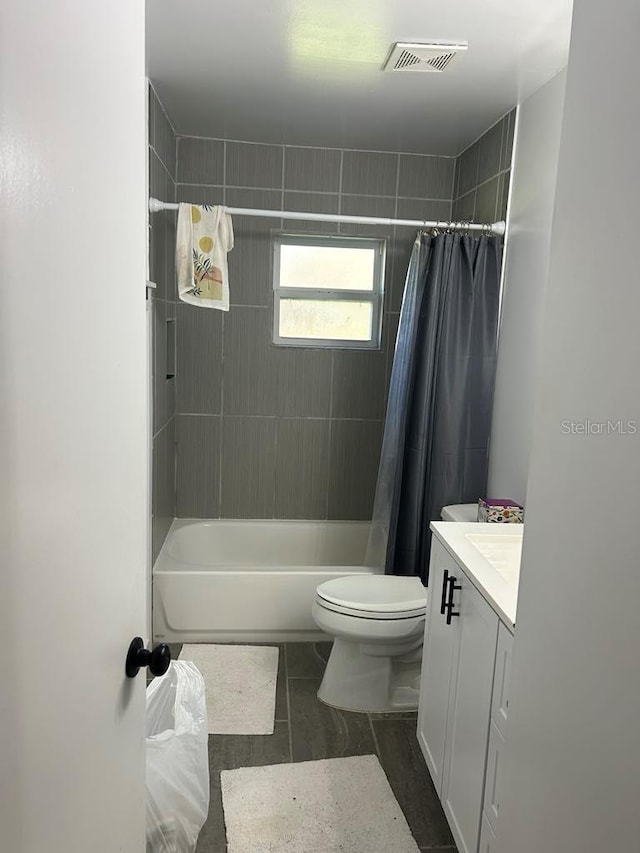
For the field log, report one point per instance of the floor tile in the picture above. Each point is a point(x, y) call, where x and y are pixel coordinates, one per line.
point(282, 706)
point(409, 778)
point(228, 752)
point(318, 731)
point(307, 660)
point(175, 649)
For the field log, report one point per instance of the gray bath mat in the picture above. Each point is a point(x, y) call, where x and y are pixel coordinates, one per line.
point(340, 805)
point(240, 684)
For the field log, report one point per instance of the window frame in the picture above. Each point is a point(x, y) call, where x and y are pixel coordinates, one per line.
point(374, 296)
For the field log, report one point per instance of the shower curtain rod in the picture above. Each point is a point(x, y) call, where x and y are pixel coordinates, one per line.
point(497, 228)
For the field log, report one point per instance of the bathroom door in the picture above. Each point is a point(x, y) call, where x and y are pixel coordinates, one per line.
point(73, 425)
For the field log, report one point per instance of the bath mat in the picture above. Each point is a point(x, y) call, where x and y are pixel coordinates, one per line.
point(240, 684)
point(343, 805)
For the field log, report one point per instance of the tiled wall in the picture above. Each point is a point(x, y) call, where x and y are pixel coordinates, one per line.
point(482, 174)
point(162, 171)
point(266, 431)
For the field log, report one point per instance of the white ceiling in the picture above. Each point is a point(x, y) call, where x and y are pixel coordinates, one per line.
point(307, 72)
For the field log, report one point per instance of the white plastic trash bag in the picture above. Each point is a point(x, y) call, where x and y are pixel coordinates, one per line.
point(177, 760)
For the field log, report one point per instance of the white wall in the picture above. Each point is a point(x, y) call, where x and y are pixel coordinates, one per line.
point(573, 751)
point(533, 186)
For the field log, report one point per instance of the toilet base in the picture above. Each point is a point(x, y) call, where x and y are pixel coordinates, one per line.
point(355, 681)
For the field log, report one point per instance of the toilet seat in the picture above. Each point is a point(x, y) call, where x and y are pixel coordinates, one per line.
point(374, 596)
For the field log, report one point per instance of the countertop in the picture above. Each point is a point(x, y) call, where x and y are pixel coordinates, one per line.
point(496, 578)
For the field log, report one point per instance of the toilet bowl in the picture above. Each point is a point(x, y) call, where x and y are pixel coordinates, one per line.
point(378, 625)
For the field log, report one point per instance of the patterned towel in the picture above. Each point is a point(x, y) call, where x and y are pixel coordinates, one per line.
point(204, 236)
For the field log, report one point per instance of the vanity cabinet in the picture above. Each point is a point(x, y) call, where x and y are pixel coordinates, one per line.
point(459, 660)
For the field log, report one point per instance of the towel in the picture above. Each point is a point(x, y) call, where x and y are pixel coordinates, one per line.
point(204, 236)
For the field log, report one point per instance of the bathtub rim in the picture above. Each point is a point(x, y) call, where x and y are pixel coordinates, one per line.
point(168, 562)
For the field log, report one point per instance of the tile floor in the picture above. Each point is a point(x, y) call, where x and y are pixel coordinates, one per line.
point(305, 729)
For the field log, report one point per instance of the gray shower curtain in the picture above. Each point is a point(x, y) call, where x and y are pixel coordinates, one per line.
point(436, 436)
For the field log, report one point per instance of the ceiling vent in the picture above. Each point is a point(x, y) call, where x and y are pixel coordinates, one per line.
point(408, 56)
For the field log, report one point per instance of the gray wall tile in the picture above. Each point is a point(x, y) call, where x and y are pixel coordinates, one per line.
point(369, 173)
point(151, 115)
point(311, 203)
point(200, 161)
point(301, 475)
point(503, 195)
point(164, 486)
point(355, 205)
point(199, 365)
point(164, 388)
point(467, 170)
point(489, 157)
point(507, 143)
point(198, 466)
point(251, 165)
point(486, 200)
point(248, 467)
point(482, 174)
point(353, 468)
point(312, 169)
point(398, 256)
point(158, 186)
point(263, 379)
point(358, 386)
point(250, 261)
point(250, 363)
point(414, 208)
point(464, 209)
point(425, 177)
point(303, 382)
point(161, 155)
point(171, 292)
point(164, 140)
point(281, 403)
point(200, 194)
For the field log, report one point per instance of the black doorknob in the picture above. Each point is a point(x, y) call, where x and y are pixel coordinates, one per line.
point(158, 659)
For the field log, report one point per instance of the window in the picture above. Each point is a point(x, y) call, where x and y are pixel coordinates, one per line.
point(328, 291)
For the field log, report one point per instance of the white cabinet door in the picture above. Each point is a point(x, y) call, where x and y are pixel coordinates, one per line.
point(502, 679)
point(493, 783)
point(469, 713)
point(487, 838)
point(437, 664)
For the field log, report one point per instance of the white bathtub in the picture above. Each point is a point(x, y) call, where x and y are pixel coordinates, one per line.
point(249, 581)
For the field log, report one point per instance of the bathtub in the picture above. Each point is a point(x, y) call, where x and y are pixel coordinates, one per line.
point(249, 581)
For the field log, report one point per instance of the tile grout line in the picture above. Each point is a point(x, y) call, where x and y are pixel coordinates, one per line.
point(222, 359)
point(330, 437)
point(162, 163)
point(375, 739)
point(286, 673)
point(313, 192)
point(220, 452)
point(395, 210)
point(326, 148)
point(498, 174)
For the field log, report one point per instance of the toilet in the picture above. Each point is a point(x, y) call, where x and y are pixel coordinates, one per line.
point(377, 622)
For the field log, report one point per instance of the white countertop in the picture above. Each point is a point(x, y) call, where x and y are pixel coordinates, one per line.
point(490, 556)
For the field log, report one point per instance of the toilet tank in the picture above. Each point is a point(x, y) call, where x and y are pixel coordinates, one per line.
point(460, 512)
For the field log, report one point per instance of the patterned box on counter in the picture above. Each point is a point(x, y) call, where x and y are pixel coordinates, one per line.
point(500, 510)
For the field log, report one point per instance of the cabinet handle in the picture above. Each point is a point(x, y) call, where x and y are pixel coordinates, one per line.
point(453, 586)
point(445, 582)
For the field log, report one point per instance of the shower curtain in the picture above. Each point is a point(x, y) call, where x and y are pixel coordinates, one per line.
point(436, 436)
